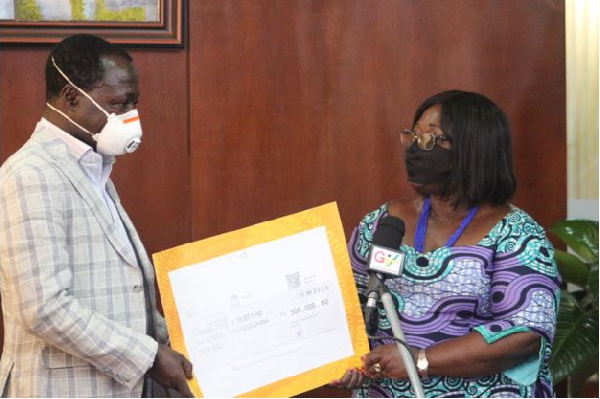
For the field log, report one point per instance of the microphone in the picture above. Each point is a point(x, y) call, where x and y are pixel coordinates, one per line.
point(384, 260)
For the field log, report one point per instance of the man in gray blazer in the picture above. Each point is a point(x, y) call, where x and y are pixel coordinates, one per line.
point(77, 285)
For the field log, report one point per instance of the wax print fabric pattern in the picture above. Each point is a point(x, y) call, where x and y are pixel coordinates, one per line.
point(505, 284)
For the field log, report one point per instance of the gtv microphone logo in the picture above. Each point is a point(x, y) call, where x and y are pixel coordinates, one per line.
point(385, 260)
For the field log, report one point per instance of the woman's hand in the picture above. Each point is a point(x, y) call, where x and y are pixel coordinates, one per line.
point(351, 380)
point(385, 361)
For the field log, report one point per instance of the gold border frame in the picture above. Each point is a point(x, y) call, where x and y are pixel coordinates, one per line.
point(189, 254)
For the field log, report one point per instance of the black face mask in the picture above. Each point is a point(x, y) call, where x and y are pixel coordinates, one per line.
point(428, 167)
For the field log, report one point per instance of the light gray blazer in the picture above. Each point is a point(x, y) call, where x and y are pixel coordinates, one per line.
point(72, 293)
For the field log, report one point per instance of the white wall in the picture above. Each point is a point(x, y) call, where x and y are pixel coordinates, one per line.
point(582, 20)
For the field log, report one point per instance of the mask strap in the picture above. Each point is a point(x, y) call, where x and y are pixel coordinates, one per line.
point(75, 86)
point(73, 122)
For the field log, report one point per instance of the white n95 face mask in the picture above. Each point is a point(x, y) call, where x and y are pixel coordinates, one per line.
point(122, 133)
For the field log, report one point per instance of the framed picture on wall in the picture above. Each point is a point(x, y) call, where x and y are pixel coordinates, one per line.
point(127, 22)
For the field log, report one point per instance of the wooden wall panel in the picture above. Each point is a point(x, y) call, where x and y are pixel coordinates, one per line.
point(294, 104)
point(22, 95)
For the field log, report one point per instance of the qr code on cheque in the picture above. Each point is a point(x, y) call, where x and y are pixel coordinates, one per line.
point(293, 280)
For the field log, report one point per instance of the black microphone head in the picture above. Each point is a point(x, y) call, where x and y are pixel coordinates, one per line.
point(389, 233)
point(382, 262)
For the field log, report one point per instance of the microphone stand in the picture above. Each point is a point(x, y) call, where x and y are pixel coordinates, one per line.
point(407, 358)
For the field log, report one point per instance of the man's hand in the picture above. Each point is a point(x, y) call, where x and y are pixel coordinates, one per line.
point(171, 369)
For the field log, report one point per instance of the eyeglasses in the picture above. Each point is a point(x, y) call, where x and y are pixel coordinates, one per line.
point(425, 141)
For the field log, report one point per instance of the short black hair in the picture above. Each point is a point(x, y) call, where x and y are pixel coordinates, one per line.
point(79, 57)
point(481, 143)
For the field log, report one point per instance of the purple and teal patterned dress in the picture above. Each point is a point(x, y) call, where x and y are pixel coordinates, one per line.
point(505, 284)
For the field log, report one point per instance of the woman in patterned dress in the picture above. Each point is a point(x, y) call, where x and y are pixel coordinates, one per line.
point(479, 291)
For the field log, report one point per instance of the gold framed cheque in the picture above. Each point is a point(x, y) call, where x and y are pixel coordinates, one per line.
point(270, 310)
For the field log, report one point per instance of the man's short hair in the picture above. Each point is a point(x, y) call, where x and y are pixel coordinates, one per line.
point(79, 57)
point(481, 143)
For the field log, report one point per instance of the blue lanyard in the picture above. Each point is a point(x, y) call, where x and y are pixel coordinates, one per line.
point(421, 230)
